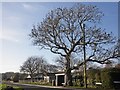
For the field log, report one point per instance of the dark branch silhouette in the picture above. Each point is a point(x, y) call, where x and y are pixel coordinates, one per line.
point(61, 32)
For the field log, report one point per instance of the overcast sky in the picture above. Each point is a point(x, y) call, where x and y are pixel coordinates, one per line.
point(17, 21)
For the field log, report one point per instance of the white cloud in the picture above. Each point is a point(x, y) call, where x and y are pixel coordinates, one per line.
point(12, 20)
point(8, 38)
point(12, 36)
point(29, 7)
point(34, 7)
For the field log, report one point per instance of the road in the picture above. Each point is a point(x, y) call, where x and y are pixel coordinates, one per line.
point(36, 87)
point(39, 87)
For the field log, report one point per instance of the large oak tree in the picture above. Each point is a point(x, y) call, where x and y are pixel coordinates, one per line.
point(61, 32)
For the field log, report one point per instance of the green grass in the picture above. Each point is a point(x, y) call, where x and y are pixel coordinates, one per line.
point(3, 86)
point(37, 83)
point(78, 87)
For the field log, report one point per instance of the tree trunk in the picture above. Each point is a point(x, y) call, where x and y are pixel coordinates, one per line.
point(31, 75)
point(68, 72)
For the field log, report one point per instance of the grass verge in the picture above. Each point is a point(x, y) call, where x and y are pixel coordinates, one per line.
point(37, 83)
point(4, 86)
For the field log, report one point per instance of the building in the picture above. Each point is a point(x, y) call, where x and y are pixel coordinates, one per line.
point(60, 79)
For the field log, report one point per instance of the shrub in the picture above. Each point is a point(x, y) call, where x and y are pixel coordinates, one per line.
point(108, 76)
point(9, 88)
point(16, 78)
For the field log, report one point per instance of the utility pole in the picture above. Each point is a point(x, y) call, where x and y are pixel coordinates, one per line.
point(84, 51)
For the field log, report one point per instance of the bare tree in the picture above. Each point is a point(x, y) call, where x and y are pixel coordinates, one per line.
point(62, 30)
point(61, 62)
point(50, 68)
point(32, 65)
point(117, 66)
point(103, 54)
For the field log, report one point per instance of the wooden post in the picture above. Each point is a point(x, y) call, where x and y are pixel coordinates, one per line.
point(84, 51)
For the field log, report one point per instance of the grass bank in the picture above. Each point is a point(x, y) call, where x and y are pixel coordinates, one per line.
point(37, 83)
point(4, 86)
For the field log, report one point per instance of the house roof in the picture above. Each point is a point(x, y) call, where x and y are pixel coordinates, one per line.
point(28, 76)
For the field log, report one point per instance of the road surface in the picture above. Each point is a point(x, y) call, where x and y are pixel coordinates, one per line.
point(39, 87)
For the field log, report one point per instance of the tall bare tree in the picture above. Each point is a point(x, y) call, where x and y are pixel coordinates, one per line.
point(62, 30)
point(61, 62)
point(33, 65)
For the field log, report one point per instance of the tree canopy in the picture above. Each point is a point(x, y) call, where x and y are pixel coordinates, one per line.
point(61, 32)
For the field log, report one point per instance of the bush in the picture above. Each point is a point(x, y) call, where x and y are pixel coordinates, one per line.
point(9, 88)
point(107, 81)
point(93, 77)
point(108, 76)
point(16, 78)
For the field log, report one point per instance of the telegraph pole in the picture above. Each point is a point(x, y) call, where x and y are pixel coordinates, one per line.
point(84, 51)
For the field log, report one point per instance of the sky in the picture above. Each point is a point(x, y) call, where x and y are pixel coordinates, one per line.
point(17, 21)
